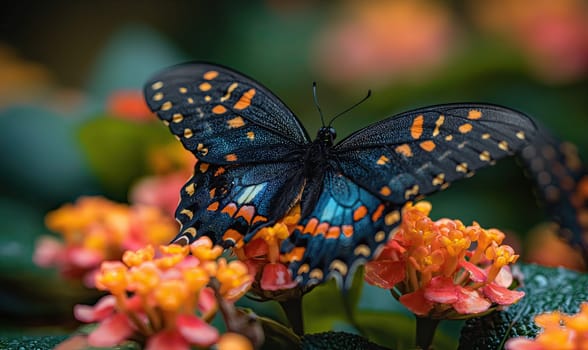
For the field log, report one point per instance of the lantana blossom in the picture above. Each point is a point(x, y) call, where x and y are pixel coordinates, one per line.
point(95, 229)
point(444, 269)
point(163, 297)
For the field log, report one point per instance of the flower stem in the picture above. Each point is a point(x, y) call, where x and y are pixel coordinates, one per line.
point(425, 331)
point(293, 309)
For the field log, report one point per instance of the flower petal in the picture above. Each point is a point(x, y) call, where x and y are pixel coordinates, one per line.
point(441, 290)
point(416, 302)
point(196, 331)
point(167, 340)
point(103, 308)
point(470, 301)
point(232, 341)
point(385, 273)
point(476, 273)
point(521, 343)
point(501, 295)
point(48, 251)
point(207, 301)
point(110, 332)
point(276, 276)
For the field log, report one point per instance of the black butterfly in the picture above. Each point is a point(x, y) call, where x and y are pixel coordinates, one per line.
point(256, 161)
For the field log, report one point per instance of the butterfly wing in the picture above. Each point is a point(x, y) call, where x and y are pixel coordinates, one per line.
point(561, 183)
point(224, 117)
point(419, 152)
point(344, 229)
point(248, 145)
point(227, 203)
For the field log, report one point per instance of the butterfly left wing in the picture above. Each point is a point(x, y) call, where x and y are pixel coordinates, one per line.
point(419, 152)
point(224, 117)
point(227, 203)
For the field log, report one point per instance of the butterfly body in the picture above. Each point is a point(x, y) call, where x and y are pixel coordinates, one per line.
point(256, 162)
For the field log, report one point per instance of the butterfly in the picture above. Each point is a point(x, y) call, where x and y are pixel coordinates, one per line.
point(256, 161)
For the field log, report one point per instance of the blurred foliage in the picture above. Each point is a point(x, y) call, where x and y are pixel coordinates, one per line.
point(58, 140)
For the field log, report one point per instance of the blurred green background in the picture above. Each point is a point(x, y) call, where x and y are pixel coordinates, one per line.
point(61, 62)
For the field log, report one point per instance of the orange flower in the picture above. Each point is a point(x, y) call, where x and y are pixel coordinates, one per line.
point(428, 266)
point(129, 104)
point(272, 279)
point(95, 229)
point(159, 297)
point(560, 331)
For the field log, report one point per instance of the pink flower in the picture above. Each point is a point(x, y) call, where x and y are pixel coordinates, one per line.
point(431, 267)
point(376, 41)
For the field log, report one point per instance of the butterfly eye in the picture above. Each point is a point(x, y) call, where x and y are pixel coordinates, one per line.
point(333, 133)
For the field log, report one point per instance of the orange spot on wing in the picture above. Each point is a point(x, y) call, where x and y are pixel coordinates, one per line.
point(378, 213)
point(233, 235)
point(311, 226)
point(258, 218)
point(236, 122)
point(416, 130)
point(205, 86)
point(385, 191)
point(219, 171)
point(322, 228)
point(247, 212)
point(474, 114)
point(359, 213)
point(295, 254)
point(230, 209)
point(245, 100)
point(347, 230)
point(231, 157)
point(219, 109)
point(210, 75)
point(427, 145)
point(404, 150)
point(333, 232)
point(383, 160)
point(213, 207)
point(203, 167)
point(465, 128)
point(212, 193)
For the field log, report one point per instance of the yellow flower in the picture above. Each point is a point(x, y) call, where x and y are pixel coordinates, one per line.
point(113, 277)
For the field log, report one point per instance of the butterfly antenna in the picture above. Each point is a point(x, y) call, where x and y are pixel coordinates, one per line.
point(369, 93)
point(315, 96)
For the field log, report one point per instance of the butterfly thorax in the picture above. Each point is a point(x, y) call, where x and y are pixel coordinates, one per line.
point(318, 153)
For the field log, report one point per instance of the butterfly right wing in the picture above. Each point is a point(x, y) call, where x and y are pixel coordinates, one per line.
point(561, 183)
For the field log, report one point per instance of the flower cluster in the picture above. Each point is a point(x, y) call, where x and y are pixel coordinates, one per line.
point(262, 256)
point(560, 331)
point(443, 269)
point(95, 229)
point(164, 298)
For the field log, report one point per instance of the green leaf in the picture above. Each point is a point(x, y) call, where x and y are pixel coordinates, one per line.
point(30, 342)
point(397, 330)
point(337, 340)
point(546, 289)
point(117, 150)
